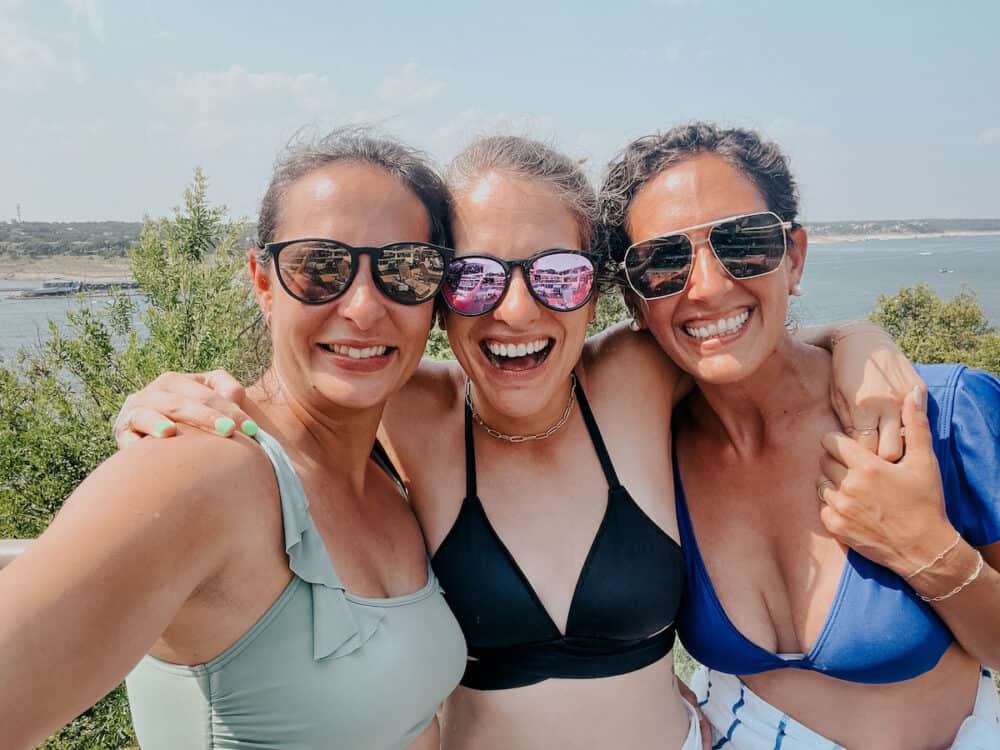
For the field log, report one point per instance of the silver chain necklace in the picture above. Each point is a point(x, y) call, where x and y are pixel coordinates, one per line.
point(523, 438)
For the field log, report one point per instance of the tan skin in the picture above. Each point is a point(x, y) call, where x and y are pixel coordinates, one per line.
point(176, 548)
point(751, 446)
point(544, 499)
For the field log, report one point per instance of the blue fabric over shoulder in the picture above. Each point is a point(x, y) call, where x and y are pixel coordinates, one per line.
point(964, 410)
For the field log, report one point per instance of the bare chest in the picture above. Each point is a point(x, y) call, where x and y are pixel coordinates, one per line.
point(775, 569)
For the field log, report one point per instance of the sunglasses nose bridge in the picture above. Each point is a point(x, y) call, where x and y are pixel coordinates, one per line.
point(518, 306)
point(363, 302)
point(708, 275)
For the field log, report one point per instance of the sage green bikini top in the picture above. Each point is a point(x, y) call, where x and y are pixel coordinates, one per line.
point(322, 668)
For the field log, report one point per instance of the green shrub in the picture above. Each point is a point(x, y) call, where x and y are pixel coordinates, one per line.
point(57, 402)
point(931, 330)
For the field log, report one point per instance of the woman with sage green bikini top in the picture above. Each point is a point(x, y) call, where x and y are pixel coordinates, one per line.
point(322, 668)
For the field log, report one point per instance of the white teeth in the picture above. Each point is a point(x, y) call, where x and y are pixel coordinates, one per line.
point(516, 350)
point(719, 327)
point(355, 353)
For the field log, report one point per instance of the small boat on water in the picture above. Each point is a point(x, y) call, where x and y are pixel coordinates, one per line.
point(53, 288)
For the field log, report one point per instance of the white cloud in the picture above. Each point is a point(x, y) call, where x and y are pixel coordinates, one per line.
point(241, 92)
point(28, 62)
point(91, 11)
point(989, 137)
point(411, 85)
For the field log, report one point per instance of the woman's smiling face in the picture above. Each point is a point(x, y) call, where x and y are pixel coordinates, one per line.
point(360, 348)
point(719, 329)
point(514, 218)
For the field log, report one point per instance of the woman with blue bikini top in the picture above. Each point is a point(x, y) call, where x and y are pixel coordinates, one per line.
point(836, 598)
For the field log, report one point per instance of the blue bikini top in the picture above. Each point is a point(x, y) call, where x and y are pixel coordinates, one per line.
point(878, 630)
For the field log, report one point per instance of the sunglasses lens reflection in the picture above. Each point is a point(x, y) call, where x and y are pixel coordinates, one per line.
point(314, 271)
point(473, 285)
point(562, 281)
point(750, 245)
point(410, 273)
point(660, 266)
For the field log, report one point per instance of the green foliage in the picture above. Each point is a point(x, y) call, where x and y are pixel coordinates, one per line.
point(610, 310)
point(930, 330)
point(57, 402)
point(437, 344)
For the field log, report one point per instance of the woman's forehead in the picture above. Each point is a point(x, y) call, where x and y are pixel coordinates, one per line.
point(511, 217)
point(701, 189)
point(359, 204)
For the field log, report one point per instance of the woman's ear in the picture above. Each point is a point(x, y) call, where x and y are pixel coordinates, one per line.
point(260, 275)
point(636, 308)
point(795, 256)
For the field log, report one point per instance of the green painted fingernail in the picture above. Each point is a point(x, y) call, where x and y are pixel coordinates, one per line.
point(161, 427)
point(249, 427)
point(224, 425)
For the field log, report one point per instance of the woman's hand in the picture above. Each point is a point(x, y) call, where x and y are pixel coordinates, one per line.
point(871, 376)
point(209, 401)
point(892, 513)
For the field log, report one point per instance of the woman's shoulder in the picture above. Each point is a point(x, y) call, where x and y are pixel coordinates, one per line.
point(620, 358)
point(431, 390)
point(192, 475)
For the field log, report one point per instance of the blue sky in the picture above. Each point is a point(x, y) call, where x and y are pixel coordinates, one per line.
point(887, 109)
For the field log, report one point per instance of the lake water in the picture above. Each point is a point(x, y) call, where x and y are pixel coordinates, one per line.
point(842, 280)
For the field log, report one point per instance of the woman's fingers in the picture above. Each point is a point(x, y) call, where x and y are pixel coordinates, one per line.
point(919, 440)
point(173, 399)
point(866, 431)
point(890, 436)
point(832, 469)
point(225, 385)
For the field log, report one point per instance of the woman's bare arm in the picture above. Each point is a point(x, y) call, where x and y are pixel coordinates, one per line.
point(94, 592)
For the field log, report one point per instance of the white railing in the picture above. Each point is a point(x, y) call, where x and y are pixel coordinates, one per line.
point(10, 549)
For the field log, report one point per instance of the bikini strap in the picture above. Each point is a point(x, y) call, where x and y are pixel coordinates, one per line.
point(470, 447)
point(595, 437)
point(382, 460)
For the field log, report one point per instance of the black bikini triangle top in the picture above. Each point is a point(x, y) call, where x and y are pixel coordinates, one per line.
point(623, 607)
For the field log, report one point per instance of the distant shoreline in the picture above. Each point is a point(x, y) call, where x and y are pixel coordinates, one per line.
point(829, 239)
point(102, 270)
point(69, 267)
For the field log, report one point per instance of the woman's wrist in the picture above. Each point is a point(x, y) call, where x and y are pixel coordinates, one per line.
point(948, 576)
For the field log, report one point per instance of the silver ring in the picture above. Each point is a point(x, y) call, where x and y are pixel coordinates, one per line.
point(823, 484)
point(863, 431)
point(902, 432)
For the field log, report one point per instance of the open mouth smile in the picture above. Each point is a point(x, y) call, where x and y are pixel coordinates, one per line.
point(720, 328)
point(523, 355)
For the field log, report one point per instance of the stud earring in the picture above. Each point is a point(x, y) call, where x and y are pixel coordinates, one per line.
point(796, 290)
point(633, 325)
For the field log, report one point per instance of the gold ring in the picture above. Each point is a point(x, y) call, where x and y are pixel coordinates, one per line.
point(823, 484)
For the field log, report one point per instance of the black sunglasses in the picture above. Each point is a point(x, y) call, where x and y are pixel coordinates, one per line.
point(561, 280)
point(315, 271)
point(746, 246)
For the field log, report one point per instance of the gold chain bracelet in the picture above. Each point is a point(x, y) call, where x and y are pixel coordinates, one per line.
point(962, 585)
point(949, 548)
